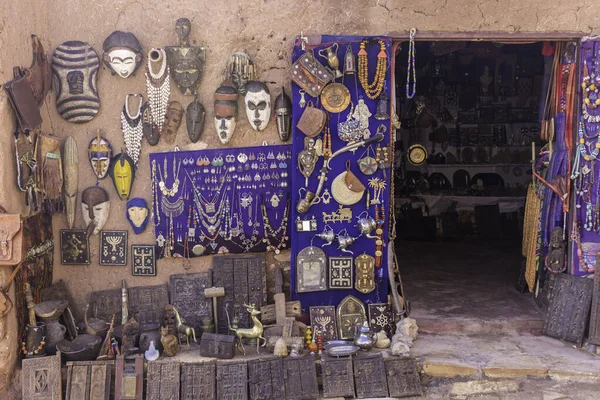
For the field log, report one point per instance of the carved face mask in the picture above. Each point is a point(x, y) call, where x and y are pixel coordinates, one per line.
point(123, 53)
point(258, 105)
point(226, 110)
point(99, 153)
point(95, 207)
point(75, 71)
point(122, 172)
point(172, 121)
point(186, 62)
point(194, 120)
point(150, 129)
point(283, 115)
point(137, 214)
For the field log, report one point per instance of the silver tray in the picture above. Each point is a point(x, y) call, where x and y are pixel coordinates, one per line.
point(341, 350)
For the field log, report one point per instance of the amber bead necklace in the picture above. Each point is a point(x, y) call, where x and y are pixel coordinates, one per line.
point(372, 90)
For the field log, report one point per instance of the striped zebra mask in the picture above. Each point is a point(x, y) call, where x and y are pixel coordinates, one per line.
point(75, 71)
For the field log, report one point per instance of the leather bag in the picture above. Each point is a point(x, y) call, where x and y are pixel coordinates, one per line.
point(11, 239)
point(352, 182)
point(20, 94)
point(312, 121)
point(312, 76)
point(39, 74)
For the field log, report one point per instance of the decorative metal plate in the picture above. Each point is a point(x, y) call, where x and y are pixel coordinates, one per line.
point(365, 273)
point(266, 379)
point(300, 378)
point(74, 247)
point(198, 381)
point(369, 376)
point(350, 312)
point(187, 294)
point(105, 303)
point(338, 378)
point(341, 350)
point(144, 260)
point(41, 378)
point(322, 319)
point(594, 335)
point(311, 275)
point(129, 378)
point(89, 380)
point(380, 318)
point(340, 273)
point(162, 381)
point(147, 303)
point(402, 377)
point(113, 248)
point(335, 97)
point(232, 380)
point(244, 280)
point(569, 308)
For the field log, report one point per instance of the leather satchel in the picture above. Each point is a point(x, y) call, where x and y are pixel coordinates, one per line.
point(21, 97)
point(312, 121)
point(11, 239)
point(312, 76)
point(39, 74)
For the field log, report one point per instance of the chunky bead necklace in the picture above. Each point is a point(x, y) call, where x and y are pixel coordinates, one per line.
point(411, 66)
point(372, 90)
point(159, 89)
point(132, 128)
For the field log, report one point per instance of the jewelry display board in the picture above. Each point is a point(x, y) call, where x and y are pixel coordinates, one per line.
point(233, 200)
point(338, 189)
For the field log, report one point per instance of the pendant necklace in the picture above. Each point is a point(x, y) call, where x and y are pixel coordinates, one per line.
point(163, 178)
point(159, 90)
point(411, 66)
point(269, 232)
point(372, 90)
point(132, 128)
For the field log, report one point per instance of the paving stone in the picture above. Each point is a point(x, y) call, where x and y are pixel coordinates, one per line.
point(514, 372)
point(483, 387)
point(448, 370)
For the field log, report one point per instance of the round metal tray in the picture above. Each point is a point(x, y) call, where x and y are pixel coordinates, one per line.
point(341, 350)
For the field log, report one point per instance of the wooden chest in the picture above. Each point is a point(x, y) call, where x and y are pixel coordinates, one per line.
point(218, 346)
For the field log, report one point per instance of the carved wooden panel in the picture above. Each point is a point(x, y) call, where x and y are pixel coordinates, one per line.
point(380, 318)
point(338, 377)
point(232, 380)
point(341, 272)
point(88, 380)
point(105, 303)
point(143, 260)
point(129, 378)
point(113, 248)
point(594, 335)
point(350, 312)
point(74, 247)
point(266, 379)
point(402, 377)
point(162, 380)
point(187, 294)
point(369, 376)
point(147, 303)
point(41, 378)
point(322, 319)
point(300, 378)
point(244, 280)
point(198, 381)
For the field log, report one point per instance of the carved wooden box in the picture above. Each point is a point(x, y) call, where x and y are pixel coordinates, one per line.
point(216, 345)
point(369, 376)
point(338, 377)
point(300, 378)
point(41, 378)
point(266, 379)
point(163, 380)
point(198, 381)
point(402, 377)
point(187, 294)
point(232, 380)
point(89, 380)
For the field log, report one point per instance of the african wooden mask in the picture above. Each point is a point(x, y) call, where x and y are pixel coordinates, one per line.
point(95, 208)
point(186, 62)
point(123, 53)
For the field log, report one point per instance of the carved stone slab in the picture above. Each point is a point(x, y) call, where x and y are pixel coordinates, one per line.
point(198, 381)
point(74, 247)
point(244, 280)
point(365, 273)
point(163, 380)
point(569, 308)
point(143, 260)
point(89, 380)
point(300, 378)
point(105, 303)
point(402, 377)
point(232, 380)
point(341, 272)
point(380, 318)
point(338, 377)
point(147, 303)
point(187, 294)
point(369, 376)
point(350, 312)
point(322, 319)
point(41, 378)
point(113, 248)
point(266, 379)
point(594, 335)
point(129, 378)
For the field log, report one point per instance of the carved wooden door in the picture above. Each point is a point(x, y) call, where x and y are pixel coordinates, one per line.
point(266, 379)
point(402, 377)
point(187, 294)
point(198, 381)
point(338, 377)
point(244, 280)
point(369, 376)
point(163, 380)
point(147, 303)
point(88, 380)
point(232, 380)
point(41, 378)
point(300, 377)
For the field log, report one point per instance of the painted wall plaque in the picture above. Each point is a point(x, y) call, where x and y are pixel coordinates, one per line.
point(74, 247)
point(350, 312)
point(380, 318)
point(322, 319)
point(340, 273)
point(143, 260)
point(113, 248)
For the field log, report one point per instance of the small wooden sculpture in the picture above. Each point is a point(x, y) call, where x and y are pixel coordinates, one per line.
point(253, 333)
point(169, 342)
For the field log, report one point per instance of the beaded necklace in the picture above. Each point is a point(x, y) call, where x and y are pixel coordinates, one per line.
point(132, 128)
point(162, 183)
point(280, 232)
point(159, 90)
point(411, 65)
point(372, 90)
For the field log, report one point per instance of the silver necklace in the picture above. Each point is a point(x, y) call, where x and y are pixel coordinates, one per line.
point(132, 128)
point(159, 89)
